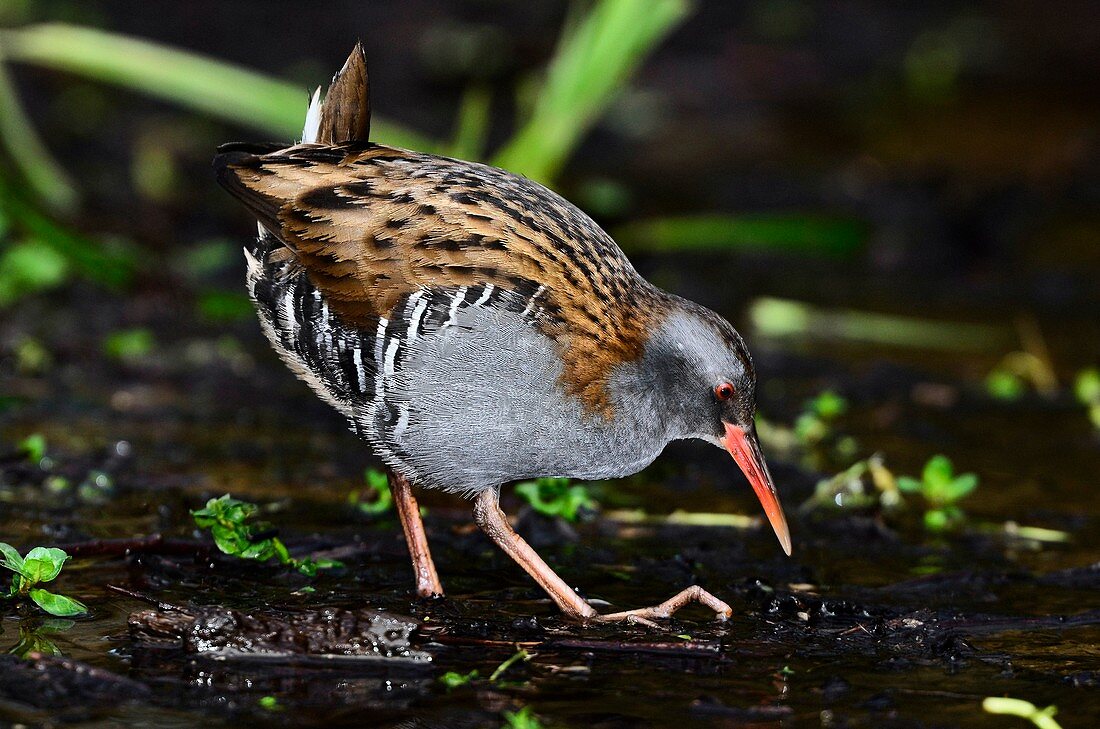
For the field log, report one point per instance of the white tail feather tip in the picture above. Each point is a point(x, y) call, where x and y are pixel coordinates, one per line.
point(313, 119)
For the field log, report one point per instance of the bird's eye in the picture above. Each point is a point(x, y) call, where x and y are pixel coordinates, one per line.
point(723, 391)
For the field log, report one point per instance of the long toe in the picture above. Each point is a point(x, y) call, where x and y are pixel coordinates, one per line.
point(646, 616)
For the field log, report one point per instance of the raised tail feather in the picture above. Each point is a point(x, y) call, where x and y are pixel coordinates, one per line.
point(343, 116)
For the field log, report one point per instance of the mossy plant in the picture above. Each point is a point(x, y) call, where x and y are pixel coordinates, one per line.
point(228, 520)
point(941, 490)
point(556, 497)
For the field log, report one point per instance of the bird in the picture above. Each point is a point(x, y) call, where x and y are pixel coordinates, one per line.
point(475, 329)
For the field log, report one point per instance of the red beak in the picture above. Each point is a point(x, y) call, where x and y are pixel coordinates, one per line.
point(745, 449)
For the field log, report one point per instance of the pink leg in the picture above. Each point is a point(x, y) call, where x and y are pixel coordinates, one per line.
point(427, 581)
point(492, 521)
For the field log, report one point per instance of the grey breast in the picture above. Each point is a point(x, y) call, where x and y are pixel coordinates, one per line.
point(480, 403)
point(457, 390)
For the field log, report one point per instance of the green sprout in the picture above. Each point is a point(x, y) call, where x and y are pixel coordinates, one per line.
point(556, 497)
point(227, 519)
point(1017, 372)
point(522, 719)
point(520, 655)
point(1086, 387)
point(814, 428)
point(41, 565)
point(454, 679)
point(129, 345)
point(33, 447)
point(815, 423)
point(1041, 718)
point(941, 490)
point(379, 497)
point(270, 703)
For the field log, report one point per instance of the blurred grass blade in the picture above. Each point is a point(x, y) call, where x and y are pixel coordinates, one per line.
point(592, 62)
point(88, 257)
point(797, 233)
point(26, 149)
point(785, 318)
point(220, 89)
point(472, 127)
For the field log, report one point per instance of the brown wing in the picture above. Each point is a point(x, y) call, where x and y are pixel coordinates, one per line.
point(371, 224)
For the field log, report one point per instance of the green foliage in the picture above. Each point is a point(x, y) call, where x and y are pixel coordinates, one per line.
point(813, 434)
point(40, 565)
point(33, 447)
point(835, 237)
point(594, 60)
point(523, 719)
point(1017, 372)
point(20, 220)
point(453, 679)
point(556, 497)
point(520, 655)
point(228, 520)
point(270, 703)
point(780, 318)
point(19, 140)
point(224, 306)
point(29, 267)
point(1086, 387)
point(220, 89)
point(941, 489)
point(814, 424)
point(379, 498)
point(1041, 718)
point(129, 345)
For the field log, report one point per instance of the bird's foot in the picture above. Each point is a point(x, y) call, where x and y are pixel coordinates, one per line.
point(646, 616)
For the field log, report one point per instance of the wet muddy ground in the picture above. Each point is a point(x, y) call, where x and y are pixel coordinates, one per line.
point(872, 622)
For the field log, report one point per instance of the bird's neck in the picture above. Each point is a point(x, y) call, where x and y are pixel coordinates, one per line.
point(656, 393)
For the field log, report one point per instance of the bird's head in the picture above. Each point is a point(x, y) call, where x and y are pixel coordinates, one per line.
point(702, 378)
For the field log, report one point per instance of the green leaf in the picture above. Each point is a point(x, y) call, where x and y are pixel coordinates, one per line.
point(962, 486)
point(57, 604)
point(43, 564)
point(12, 560)
point(222, 90)
point(29, 267)
point(224, 306)
point(936, 520)
point(594, 60)
point(269, 703)
point(794, 233)
point(909, 485)
point(128, 345)
point(279, 550)
point(522, 719)
point(229, 539)
point(309, 566)
point(828, 405)
point(938, 472)
point(34, 446)
point(1004, 385)
point(378, 484)
point(453, 679)
point(1086, 386)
